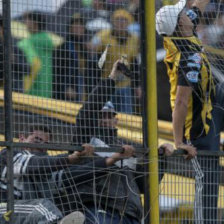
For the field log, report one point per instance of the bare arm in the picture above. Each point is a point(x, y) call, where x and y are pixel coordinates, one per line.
point(179, 117)
point(180, 112)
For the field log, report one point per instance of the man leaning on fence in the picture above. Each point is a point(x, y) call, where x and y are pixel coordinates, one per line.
point(197, 102)
point(40, 180)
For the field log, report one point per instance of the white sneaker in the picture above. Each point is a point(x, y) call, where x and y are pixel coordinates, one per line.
point(73, 218)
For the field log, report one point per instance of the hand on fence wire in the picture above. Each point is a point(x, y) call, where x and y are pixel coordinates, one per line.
point(166, 149)
point(77, 155)
point(190, 150)
point(128, 151)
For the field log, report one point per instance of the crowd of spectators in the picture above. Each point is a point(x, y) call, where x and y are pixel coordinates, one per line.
point(70, 71)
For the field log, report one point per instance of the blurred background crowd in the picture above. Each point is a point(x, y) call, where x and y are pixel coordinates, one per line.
point(56, 50)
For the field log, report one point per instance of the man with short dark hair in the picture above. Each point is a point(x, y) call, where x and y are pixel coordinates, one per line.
point(40, 176)
point(196, 101)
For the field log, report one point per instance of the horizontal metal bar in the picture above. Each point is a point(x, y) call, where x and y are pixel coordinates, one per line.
point(65, 147)
point(68, 147)
point(181, 152)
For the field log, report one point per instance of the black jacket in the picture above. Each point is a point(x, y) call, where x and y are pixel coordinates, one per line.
point(37, 175)
point(87, 120)
point(116, 190)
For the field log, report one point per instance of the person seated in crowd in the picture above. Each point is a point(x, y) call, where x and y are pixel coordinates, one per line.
point(134, 8)
point(119, 189)
point(69, 63)
point(19, 64)
point(38, 49)
point(121, 43)
point(97, 17)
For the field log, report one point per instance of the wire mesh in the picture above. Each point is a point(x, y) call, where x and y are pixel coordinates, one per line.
point(62, 97)
point(192, 38)
point(57, 188)
point(55, 63)
point(57, 81)
point(191, 191)
point(1, 76)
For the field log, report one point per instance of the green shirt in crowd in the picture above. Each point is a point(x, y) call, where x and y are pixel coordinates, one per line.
point(38, 50)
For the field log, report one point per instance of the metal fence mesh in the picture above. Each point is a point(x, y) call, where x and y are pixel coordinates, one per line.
point(55, 52)
point(62, 96)
point(58, 84)
point(198, 194)
point(190, 189)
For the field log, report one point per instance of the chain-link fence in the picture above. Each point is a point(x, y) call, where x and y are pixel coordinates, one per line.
point(60, 92)
point(62, 89)
point(193, 200)
point(192, 191)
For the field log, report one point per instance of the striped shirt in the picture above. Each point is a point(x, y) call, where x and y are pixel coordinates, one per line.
point(187, 65)
point(34, 174)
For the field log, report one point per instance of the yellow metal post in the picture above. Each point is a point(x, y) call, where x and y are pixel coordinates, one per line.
point(152, 110)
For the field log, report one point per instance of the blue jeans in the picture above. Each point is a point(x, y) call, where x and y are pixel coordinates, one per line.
point(122, 100)
point(210, 165)
point(94, 216)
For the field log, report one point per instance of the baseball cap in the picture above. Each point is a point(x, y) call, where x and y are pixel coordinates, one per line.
point(122, 13)
point(109, 108)
point(167, 16)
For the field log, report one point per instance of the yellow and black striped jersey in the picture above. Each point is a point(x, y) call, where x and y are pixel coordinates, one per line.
point(187, 65)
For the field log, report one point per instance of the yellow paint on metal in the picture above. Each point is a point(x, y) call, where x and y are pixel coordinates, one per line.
point(183, 189)
point(151, 96)
point(7, 216)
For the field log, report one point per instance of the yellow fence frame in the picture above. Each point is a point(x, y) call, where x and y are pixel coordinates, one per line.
point(151, 96)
